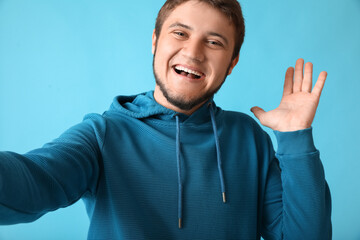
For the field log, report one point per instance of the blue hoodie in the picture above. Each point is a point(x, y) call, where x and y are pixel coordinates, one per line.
point(147, 172)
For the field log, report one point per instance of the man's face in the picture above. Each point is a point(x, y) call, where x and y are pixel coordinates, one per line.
point(192, 56)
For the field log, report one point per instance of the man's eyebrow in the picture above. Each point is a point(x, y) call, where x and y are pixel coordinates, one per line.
point(177, 24)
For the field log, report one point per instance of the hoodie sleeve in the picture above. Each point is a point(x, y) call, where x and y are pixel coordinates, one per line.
point(51, 177)
point(297, 203)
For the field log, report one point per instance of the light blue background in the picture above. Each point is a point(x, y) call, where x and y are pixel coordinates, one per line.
point(62, 59)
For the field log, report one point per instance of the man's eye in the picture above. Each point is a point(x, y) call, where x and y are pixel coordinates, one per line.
point(215, 43)
point(180, 34)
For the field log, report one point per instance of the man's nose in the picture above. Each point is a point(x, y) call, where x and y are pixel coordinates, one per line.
point(194, 50)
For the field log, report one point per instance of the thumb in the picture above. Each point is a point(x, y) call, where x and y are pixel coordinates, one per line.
point(258, 112)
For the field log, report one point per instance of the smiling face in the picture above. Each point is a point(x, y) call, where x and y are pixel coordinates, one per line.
point(192, 56)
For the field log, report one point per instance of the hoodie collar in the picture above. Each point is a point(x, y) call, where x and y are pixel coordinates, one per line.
point(144, 106)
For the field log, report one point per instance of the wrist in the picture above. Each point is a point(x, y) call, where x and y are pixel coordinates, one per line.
point(292, 128)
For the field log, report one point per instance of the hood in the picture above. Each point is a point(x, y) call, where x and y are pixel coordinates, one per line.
point(144, 105)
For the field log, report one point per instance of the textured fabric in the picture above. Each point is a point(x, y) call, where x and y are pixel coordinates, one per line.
point(123, 164)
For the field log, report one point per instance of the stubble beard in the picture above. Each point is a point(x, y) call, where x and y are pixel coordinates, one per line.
point(180, 101)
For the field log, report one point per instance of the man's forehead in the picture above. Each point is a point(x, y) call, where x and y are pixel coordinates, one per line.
point(193, 7)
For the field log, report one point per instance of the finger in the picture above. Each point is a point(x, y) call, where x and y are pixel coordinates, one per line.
point(288, 84)
point(258, 112)
point(298, 76)
point(307, 81)
point(319, 85)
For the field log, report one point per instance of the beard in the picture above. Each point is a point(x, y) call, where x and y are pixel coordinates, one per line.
point(182, 102)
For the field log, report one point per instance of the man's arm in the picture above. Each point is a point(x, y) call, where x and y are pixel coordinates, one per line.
point(54, 176)
point(297, 203)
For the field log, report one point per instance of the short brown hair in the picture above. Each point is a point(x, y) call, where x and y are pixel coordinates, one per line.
point(231, 9)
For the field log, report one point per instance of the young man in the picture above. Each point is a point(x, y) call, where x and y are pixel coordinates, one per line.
point(170, 164)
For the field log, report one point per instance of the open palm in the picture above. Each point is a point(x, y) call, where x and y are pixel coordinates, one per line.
point(299, 102)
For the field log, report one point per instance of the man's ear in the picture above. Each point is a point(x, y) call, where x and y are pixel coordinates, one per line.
point(233, 64)
point(153, 47)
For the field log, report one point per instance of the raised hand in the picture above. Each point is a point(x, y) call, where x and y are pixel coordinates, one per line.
point(298, 104)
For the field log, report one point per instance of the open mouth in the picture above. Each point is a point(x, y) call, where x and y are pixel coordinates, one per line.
point(188, 72)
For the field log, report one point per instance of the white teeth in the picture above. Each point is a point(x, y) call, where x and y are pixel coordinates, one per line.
point(180, 68)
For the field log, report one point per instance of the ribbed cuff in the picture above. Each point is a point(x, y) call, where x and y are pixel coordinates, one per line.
point(296, 142)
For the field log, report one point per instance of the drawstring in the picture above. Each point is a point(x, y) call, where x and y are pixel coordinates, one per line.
point(178, 158)
point(217, 143)
point(179, 170)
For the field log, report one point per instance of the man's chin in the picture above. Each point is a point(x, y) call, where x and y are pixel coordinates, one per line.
point(184, 102)
point(184, 98)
